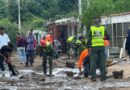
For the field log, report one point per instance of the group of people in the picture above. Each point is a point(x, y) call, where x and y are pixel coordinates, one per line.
point(26, 45)
point(25, 48)
point(75, 46)
point(6, 47)
point(96, 52)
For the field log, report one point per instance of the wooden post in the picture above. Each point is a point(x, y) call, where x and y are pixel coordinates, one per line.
point(112, 35)
point(116, 34)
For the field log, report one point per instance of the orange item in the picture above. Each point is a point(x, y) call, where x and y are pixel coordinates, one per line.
point(84, 53)
point(106, 43)
point(49, 38)
point(43, 42)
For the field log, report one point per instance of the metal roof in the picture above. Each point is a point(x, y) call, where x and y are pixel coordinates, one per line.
point(116, 18)
point(64, 21)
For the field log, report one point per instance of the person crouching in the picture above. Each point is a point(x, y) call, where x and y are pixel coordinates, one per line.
point(84, 60)
point(5, 53)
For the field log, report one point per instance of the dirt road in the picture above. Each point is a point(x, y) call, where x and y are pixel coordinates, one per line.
point(31, 78)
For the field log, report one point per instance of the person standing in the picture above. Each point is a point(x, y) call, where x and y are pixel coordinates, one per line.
point(21, 44)
point(106, 44)
point(48, 53)
point(30, 49)
point(97, 53)
point(4, 38)
point(127, 46)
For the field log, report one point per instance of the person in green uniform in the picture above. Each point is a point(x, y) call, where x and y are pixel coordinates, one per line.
point(83, 43)
point(97, 50)
point(48, 53)
point(71, 41)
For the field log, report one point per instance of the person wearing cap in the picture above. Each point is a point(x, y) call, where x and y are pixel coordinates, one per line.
point(97, 50)
point(4, 38)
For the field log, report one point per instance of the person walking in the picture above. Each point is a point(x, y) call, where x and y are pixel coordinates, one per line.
point(97, 53)
point(30, 49)
point(48, 53)
point(21, 44)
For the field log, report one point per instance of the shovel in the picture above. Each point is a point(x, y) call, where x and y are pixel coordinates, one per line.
point(109, 63)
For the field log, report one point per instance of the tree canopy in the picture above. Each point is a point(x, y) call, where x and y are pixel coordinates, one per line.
point(35, 13)
point(104, 8)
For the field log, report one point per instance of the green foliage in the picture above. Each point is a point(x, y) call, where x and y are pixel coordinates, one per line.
point(103, 8)
point(67, 6)
point(35, 24)
point(11, 28)
point(96, 8)
point(35, 13)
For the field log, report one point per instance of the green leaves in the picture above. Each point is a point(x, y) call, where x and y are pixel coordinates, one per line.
point(104, 8)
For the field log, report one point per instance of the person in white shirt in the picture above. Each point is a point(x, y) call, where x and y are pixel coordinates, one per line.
point(4, 38)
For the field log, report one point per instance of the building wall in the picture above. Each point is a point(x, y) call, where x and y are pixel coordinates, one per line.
point(118, 33)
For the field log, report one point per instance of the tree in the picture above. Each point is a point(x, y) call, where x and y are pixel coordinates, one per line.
point(96, 8)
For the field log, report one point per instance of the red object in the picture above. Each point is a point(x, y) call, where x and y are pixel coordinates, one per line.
point(35, 43)
point(43, 42)
point(49, 38)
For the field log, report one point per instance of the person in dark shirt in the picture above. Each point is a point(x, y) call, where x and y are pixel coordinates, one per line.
point(127, 45)
point(21, 45)
point(5, 53)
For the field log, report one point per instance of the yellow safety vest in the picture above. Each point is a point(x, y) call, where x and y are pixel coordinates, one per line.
point(70, 39)
point(78, 42)
point(97, 35)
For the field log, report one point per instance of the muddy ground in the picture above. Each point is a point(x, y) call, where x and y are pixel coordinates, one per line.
point(32, 78)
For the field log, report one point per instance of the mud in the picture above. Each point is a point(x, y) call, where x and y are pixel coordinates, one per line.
point(32, 78)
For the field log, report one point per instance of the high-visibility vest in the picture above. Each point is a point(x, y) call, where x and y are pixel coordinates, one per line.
point(97, 35)
point(70, 39)
point(78, 42)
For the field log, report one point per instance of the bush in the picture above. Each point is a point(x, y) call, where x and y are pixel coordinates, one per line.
point(11, 28)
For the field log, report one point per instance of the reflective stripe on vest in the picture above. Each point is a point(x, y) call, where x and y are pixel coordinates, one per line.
point(97, 35)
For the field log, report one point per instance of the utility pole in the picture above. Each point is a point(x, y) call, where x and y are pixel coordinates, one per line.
point(80, 8)
point(19, 17)
point(80, 14)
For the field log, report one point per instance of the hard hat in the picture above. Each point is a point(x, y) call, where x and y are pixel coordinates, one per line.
point(43, 42)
